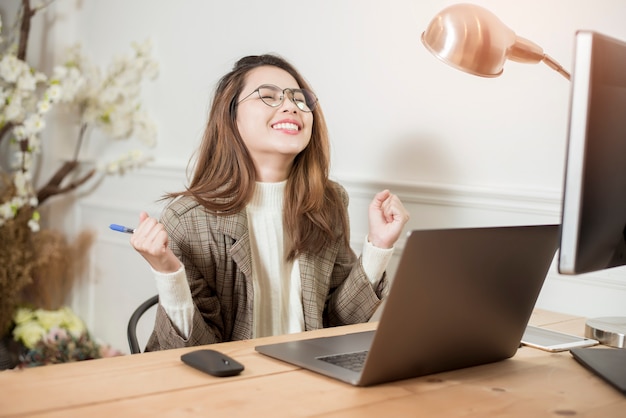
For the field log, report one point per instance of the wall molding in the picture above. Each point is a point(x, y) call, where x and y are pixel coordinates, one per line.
point(543, 202)
point(540, 201)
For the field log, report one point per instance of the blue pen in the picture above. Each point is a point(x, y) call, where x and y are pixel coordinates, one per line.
point(121, 228)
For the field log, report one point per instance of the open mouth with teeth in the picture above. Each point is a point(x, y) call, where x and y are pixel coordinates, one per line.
point(286, 126)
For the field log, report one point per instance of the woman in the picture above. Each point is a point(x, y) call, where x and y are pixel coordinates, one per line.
point(258, 244)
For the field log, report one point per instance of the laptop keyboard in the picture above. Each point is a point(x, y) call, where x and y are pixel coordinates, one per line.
point(351, 361)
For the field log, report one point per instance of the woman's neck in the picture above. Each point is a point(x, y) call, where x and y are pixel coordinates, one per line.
point(273, 170)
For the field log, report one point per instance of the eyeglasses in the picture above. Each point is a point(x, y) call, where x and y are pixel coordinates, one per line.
point(273, 96)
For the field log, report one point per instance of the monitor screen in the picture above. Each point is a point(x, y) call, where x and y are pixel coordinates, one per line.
point(594, 194)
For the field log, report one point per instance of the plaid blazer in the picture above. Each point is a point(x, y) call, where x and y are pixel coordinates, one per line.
point(215, 251)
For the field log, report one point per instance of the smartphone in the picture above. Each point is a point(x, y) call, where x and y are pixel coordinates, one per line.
point(553, 341)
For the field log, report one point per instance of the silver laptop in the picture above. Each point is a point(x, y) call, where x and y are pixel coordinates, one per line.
point(459, 298)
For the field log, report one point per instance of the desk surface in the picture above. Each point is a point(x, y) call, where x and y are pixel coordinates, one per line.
point(532, 383)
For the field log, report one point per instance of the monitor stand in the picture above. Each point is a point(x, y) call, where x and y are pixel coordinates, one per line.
point(607, 363)
point(609, 331)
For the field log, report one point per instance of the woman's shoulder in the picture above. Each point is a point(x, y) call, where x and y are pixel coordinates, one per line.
point(182, 205)
point(186, 214)
point(340, 190)
point(187, 207)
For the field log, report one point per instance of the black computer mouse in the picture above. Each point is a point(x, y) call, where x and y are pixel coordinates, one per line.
point(212, 362)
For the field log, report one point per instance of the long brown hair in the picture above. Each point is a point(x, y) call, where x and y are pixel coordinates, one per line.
point(224, 177)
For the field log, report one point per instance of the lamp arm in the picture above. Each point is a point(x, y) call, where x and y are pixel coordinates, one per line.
point(550, 62)
point(526, 51)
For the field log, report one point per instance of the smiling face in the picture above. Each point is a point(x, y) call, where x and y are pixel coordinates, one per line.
point(273, 135)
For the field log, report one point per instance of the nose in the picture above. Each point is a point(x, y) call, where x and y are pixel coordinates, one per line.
point(288, 105)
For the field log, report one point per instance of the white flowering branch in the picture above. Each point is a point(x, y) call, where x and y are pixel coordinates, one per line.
point(109, 101)
point(26, 14)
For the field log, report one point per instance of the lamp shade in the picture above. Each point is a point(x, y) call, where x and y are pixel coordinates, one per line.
point(472, 39)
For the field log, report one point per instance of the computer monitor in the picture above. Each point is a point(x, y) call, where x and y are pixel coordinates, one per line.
point(593, 225)
point(593, 217)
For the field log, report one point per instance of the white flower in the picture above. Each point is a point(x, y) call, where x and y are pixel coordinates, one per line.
point(111, 168)
point(34, 144)
point(54, 93)
point(60, 72)
point(111, 94)
point(24, 187)
point(10, 68)
point(34, 124)
point(121, 124)
point(43, 106)
point(34, 225)
point(27, 82)
point(19, 131)
point(130, 160)
point(14, 111)
point(67, 83)
point(6, 211)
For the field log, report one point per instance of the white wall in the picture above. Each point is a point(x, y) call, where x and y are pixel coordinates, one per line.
point(460, 150)
point(366, 62)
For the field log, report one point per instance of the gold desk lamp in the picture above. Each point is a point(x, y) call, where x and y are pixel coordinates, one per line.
point(472, 39)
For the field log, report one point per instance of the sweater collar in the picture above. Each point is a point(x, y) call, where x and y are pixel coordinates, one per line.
point(268, 196)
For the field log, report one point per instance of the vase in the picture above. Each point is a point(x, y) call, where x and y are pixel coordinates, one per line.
point(9, 353)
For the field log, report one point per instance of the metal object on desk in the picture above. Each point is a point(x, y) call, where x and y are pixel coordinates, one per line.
point(609, 331)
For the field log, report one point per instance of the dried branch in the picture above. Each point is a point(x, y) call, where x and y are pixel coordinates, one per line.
point(27, 15)
point(54, 187)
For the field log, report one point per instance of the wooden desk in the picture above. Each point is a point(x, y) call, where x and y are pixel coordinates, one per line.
point(533, 383)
